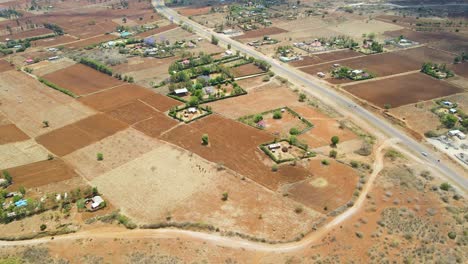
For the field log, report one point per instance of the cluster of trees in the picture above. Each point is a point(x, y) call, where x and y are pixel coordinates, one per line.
point(10, 13)
point(462, 58)
point(434, 70)
point(260, 63)
point(54, 27)
point(96, 65)
point(125, 78)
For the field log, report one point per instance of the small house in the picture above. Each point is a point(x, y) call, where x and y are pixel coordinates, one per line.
point(21, 203)
point(453, 133)
point(453, 110)
point(96, 201)
point(461, 135)
point(228, 52)
point(274, 146)
point(180, 92)
point(192, 110)
point(53, 58)
point(336, 65)
point(320, 74)
point(125, 34)
point(208, 90)
point(447, 103)
point(357, 72)
point(29, 61)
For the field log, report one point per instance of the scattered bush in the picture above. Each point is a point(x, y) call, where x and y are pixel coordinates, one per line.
point(258, 118)
point(205, 139)
point(452, 235)
point(302, 97)
point(45, 123)
point(335, 140)
point(277, 115)
point(325, 162)
point(225, 196)
point(100, 156)
point(43, 227)
point(354, 164)
point(274, 167)
point(294, 131)
point(298, 210)
point(333, 153)
point(445, 186)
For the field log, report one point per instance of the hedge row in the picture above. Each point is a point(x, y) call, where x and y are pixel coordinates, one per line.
point(265, 149)
point(56, 87)
point(96, 65)
point(208, 112)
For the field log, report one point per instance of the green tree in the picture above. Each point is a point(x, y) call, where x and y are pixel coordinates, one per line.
point(43, 227)
point(7, 176)
point(205, 139)
point(214, 40)
point(449, 120)
point(22, 190)
point(445, 186)
point(258, 118)
point(335, 140)
point(277, 115)
point(194, 101)
point(225, 196)
point(333, 153)
point(294, 131)
point(100, 156)
point(302, 97)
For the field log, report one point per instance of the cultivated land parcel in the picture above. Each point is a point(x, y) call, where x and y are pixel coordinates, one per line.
point(202, 153)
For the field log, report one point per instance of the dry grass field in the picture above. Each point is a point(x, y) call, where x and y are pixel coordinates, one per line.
point(21, 153)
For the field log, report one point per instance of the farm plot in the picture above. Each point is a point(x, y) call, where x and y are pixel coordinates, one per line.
point(261, 32)
point(324, 128)
point(117, 149)
point(236, 146)
point(258, 100)
point(132, 113)
point(5, 66)
point(80, 134)
point(27, 103)
point(89, 41)
point(117, 96)
point(194, 11)
point(156, 125)
point(326, 57)
point(40, 173)
point(45, 67)
point(418, 116)
point(55, 41)
point(461, 69)
point(30, 33)
point(10, 133)
point(160, 102)
point(330, 187)
point(20, 153)
point(246, 70)
point(81, 79)
point(402, 90)
point(155, 31)
point(387, 63)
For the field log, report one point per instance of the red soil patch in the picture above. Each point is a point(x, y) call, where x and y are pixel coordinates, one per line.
point(132, 113)
point(193, 11)
point(155, 31)
point(331, 186)
point(40, 173)
point(387, 63)
point(90, 41)
point(30, 33)
point(261, 32)
point(156, 125)
point(138, 64)
point(81, 79)
point(402, 90)
point(236, 146)
point(49, 42)
point(326, 57)
point(245, 70)
point(115, 97)
point(160, 102)
point(460, 69)
point(69, 138)
point(324, 128)
point(5, 66)
point(11, 133)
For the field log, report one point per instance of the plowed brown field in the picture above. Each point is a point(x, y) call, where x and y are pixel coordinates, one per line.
point(81, 79)
point(326, 57)
point(402, 90)
point(261, 32)
point(245, 70)
point(80, 134)
point(40, 173)
point(11, 133)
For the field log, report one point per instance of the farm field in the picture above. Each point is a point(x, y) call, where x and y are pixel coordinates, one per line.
point(245, 70)
point(40, 173)
point(50, 42)
point(5, 66)
point(82, 43)
point(115, 97)
point(10, 133)
point(259, 33)
point(461, 69)
point(156, 31)
point(326, 57)
point(27, 103)
point(418, 116)
point(259, 99)
point(416, 87)
point(194, 11)
point(21, 153)
point(319, 191)
point(45, 67)
point(71, 78)
point(386, 64)
point(72, 137)
point(30, 33)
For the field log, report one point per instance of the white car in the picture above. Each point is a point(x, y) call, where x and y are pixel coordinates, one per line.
point(424, 154)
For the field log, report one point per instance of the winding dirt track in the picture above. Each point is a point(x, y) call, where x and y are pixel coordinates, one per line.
point(218, 240)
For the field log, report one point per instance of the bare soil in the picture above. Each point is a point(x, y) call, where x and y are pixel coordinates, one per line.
point(21, 153)
point(5, 66)
point(245, 70)
point(11, 133)
point(132, 113)
point(160, 102)
point(194, 11)
point(261, 32)
point(415, 87)
point(72, 137)
point(158, 30)
point(72, 78)
point(156, 124)
point(326, 57)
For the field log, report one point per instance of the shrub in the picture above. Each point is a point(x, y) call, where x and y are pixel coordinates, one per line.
point(7, 177)
point(100, 156)
point(354, 164)
point(325, 162)
point(335, 140)
point(96, 65)
point(302, 97)
point(43, 227)
point(225, 196)
point(45, 123)
point(205, 139)
point(452, 235)
point(56, 87)
point(266, 78)
point(258, 118)
point(274, 167)
point(430, 134)
point(445, 186)
point(333, 153)
point(298, 210)
point(22, 190)
point(277, 115)
point(294, 131)
point(50, 157)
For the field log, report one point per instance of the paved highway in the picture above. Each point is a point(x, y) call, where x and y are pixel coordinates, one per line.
point(340, 102)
